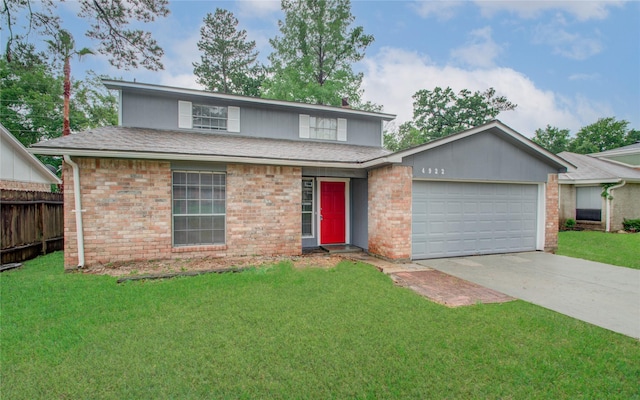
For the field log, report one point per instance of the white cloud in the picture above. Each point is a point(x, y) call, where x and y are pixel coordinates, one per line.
point(480, 50)
point(580, 9)
point(393, 75)
point(564, 43)
point(443, 10)
point(583, 77)
point(258, 8)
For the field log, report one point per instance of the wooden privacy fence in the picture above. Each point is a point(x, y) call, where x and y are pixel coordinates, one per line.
point(32, 224)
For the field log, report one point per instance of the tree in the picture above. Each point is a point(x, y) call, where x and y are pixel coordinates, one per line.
point(31, 100)
point(64, 46)
point(554, 139)
point(109, 22)
point(605, 134)
point(312, 58)
point(228, 63)
point(440, 112)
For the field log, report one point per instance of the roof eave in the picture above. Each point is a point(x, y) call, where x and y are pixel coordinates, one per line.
point(195, 157)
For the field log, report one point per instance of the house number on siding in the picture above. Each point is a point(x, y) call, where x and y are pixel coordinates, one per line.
point(434, 171)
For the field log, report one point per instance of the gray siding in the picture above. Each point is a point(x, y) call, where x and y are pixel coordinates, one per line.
point(482, 157)
point(161, 112)
point(359, 213)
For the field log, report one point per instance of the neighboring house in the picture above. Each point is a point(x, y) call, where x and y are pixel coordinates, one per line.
point(19, 169)
point(192, 173)
point(582, 191)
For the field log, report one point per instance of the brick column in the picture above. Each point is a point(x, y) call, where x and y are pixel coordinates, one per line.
point(390, 212)
point(552, 222)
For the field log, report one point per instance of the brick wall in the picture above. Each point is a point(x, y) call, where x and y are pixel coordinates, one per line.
point(25, 186)
point(263, 210)
point(127, 213)
point(390, 212)
point(552, 208)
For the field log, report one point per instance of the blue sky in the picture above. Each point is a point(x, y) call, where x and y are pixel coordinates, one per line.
point(565, 63)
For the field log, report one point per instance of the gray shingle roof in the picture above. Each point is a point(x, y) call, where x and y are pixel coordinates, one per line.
point(591, 168)
point(175, 142)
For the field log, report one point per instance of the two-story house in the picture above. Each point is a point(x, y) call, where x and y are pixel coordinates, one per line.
point(192, 173)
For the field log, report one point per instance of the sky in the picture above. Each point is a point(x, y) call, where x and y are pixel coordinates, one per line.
point(564, 63)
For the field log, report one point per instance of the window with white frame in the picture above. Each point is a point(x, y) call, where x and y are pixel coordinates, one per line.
point(209, 117)
point(323, 128)
point(307, 207)
point(199, 208)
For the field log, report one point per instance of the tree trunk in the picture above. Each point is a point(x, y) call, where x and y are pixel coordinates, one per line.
point(66, 130)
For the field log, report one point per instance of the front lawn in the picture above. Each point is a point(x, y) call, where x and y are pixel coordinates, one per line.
point(280, 332)
point(612, 248)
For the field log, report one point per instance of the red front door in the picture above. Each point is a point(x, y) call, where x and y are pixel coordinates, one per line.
point(332, 212)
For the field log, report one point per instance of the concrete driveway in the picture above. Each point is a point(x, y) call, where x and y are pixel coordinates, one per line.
point(601, 294)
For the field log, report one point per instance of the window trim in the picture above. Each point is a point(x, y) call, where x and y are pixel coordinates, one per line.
point(173, 213)
point(185, 117)
point(313, 208)
point(306, 130)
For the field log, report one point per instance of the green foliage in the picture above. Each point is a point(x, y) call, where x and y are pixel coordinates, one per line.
point(610, 248)
point(31, 100)
point(553, 139)
point(605, 134)
point(441, 112)
point(569, 224)
point(228, 60)
point(605, 190)
point(279, 332)
point(631, 225)
point(312, 58)
point(109, 24)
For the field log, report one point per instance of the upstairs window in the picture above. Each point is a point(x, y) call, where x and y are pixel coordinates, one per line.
point(323, 128)
point(208, 117)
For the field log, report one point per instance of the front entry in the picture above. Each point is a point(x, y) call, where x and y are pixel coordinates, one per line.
point(332, 212)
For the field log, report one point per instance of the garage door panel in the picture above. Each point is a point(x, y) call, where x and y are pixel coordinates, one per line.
point(454, 218)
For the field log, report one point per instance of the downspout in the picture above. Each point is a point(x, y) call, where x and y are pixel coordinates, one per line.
point(78, 210)
point(609, 197)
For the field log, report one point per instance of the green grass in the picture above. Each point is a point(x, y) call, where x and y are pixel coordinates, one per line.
point(611, 248)
point(278, 332)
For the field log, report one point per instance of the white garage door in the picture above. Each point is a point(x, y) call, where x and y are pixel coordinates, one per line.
point(457, 219)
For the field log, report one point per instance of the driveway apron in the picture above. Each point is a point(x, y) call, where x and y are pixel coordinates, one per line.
point(601, 294)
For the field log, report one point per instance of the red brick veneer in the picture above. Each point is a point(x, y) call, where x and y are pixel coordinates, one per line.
point(390, 212)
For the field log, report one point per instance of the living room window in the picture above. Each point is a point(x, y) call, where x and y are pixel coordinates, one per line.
point(589, 203)
point(307, 207)
point(199, 208)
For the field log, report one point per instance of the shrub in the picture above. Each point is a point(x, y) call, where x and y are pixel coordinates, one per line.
point(631, 225)
point(569, 224)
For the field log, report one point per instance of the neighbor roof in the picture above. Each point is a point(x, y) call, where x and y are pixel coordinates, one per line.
point(595, 170)
point(630, 149)
point(23, 153)
point(123, 142)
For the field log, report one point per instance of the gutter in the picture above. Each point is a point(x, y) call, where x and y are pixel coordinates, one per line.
point(609, 198)
point(78, 209)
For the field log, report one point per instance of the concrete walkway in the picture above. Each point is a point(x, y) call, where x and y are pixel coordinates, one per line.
point(604, 295)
